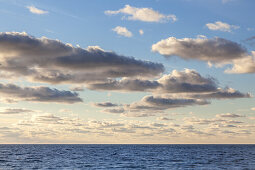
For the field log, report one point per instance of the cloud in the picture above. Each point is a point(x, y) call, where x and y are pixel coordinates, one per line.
point(141, 32)
point(253, 108)
point(15, 111)
point(250, 41)
point(122, 31)
point(162, 103)
point(216, 50)
point(243, 65)
point(35, 10)
point(47, 126)
point(150, 105)
point(47, 118)
point(221, 26)
point(229, 115)
point(164, 118)
point(124, 85)
point(114, 110)
point(177, 89)
point(142, 14)
point(227, 93)
point(188, 81)
point(77, 88)
point(51, 61)
point(218, 121)
point(38, 94)
point(105, 104)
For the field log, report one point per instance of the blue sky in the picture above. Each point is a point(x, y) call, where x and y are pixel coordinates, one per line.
point(205, 49)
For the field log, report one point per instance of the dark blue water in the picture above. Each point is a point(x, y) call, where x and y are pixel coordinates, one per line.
point(127, 156)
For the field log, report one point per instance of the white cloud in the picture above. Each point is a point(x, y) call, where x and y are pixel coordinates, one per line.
point(35, 10)
point(221, 26)
point(122, 31)
point(142, 14)
point(141, 32)
point(201, 37)
point(243, 65)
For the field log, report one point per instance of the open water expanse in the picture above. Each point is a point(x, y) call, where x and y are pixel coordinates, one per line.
point(127, 156)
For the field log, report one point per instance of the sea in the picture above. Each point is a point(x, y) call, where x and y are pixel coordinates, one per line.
point(107, 156)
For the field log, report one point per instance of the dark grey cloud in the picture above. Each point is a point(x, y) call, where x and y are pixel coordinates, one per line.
point(229, 115)
point(151, 105)
point(114, 110)
point(178, 89)
point(187, 81)
point(167, 103)
point(216, 50)
point(228, 93)
point(46, 60)
point(125, 85)
point(38, 94)
point(15, 111)
point(250, 41)
point(105, 104)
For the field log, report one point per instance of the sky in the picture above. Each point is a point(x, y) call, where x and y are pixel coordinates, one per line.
point(127, 71)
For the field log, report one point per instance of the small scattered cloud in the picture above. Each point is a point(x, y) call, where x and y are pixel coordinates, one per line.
point(164, 118)
point(201, 37)
point(123, 31)
point(250, 29)
point(141, 32)
point(227, 93)
point(229, 115)
point(114, 110)
point(77, 88)
point(142, 14)
point(105, 104)
point(35, 10)
point(10, 111)
point(38, 94)
point(221, 26)
point(250, 41)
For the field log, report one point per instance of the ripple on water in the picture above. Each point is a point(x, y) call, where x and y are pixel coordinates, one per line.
point(127, 156)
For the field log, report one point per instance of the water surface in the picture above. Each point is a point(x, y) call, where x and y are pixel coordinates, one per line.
point(127, 156)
